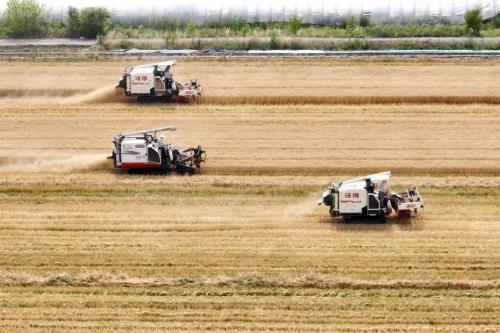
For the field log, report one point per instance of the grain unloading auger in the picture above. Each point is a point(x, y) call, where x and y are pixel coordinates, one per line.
point(155, 82)
point(368, 197)
point(147, 150)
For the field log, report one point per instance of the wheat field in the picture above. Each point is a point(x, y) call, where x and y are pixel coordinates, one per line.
point(243, 246)
point(271, 77)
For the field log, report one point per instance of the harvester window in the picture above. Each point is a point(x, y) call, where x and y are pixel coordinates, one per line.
point(153, 155)
point(373, 202)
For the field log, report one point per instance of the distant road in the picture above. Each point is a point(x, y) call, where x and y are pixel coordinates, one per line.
point(368, 39)
point(10, 42)
point(63, 54)
point(61, 48)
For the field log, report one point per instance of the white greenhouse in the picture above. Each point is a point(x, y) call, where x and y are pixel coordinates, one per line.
point(314, 11)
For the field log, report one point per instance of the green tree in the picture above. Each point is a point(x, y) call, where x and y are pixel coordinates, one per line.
point(275, 41)
point(73, 23)
point(348, 23)
point(474, 21)
point(237, 25)
point(56, 29)
point(496, 21)
point(246, 30)
point(357, 32)
point(25, 18)
point(364, 21)
point(94, 22)
point(294, 24)
point(191, 29)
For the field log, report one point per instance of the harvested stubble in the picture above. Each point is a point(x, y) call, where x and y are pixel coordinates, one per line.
point(244, 247)
point(115, 252)
point(97, 257)
point(273, 140)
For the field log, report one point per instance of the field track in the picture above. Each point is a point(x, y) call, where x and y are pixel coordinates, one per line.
point(67, 96)
point(11, 51)
point(349, 100)
point(243, 246)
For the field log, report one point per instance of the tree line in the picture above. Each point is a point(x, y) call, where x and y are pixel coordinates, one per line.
point(30, 19)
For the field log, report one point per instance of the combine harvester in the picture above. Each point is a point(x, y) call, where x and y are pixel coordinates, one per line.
point(155, 82)
point(367, 197)
point(147, 150)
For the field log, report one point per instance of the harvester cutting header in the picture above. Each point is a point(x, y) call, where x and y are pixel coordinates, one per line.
point(368, 197)
point(155, 82)
point(147, 149)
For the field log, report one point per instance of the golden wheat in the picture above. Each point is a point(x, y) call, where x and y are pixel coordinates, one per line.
point(275, 77)
point(90, 254)
point(280, 100)
point(244, 247)
point(272, 140)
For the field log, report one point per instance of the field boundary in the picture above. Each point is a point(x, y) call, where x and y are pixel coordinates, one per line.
point(65, 53)
point(325, 171)
point(272, 100)
point(282, 100)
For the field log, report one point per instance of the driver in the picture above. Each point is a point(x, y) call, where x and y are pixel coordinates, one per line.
point(167, 74)
point(161, 142)
point(383, 186)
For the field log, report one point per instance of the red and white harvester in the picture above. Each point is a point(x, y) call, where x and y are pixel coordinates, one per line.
point(155, 82)
point(147, 149)
point(368, 197)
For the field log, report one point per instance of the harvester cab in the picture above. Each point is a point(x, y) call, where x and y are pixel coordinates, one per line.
point(368, 197)
point(147, 149)
point(155, 82)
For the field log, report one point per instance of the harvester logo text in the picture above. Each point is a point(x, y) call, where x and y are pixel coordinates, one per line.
point(351, 198)
point(138, 79)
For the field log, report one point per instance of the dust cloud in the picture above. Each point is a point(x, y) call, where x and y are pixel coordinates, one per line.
point(300, 210)
point(53, 163)
point(107, 94)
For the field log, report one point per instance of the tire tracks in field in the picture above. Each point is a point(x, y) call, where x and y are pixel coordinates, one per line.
point(252, 280)
point(110, 94)
point(333, 170)
point(347, 100)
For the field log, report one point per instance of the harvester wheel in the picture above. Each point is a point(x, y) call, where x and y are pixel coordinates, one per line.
point(404, 214)
point(383, 217)
point(185, 169)
point(115, 163)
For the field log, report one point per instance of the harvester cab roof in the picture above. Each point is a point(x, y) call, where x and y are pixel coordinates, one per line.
point(367, 196)
point(147, 133)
